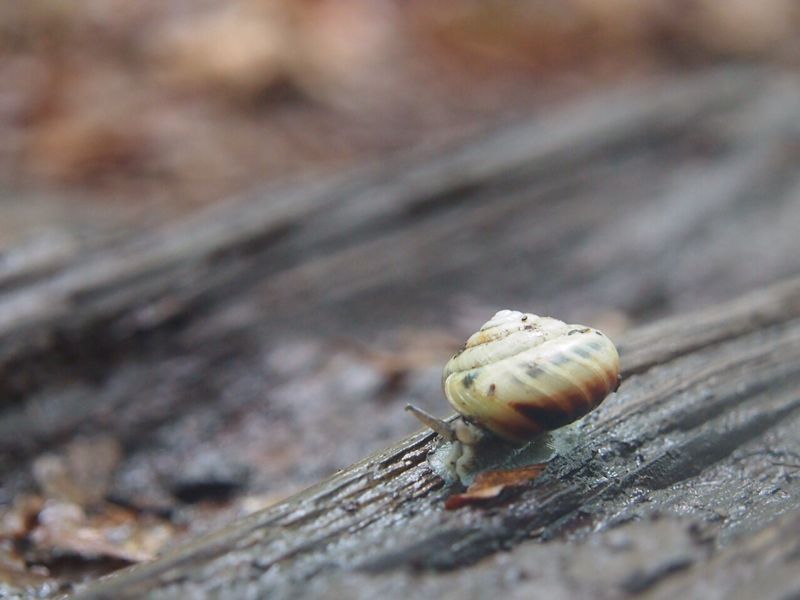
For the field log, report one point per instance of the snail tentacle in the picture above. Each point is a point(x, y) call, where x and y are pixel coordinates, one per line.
point(440, 426)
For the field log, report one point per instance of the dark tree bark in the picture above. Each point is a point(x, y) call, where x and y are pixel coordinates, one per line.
point(631, 205)
point(705, 423)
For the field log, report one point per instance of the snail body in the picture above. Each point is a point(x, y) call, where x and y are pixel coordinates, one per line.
point(521, 375)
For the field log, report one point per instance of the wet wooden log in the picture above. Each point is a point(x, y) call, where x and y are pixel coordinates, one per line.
point(620, 162)
point(676, 482)
point(641, 201)
point(635, 203)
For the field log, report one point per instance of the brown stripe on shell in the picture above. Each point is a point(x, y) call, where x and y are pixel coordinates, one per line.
point(564, 408)
point(515, 429)
point(586, 390)
point(611, 379)
point(544, 417)
point(603, 376)
point(586, 393)
point(600, 388)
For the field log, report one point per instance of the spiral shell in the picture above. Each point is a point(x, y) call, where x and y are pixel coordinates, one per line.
point(522, 374)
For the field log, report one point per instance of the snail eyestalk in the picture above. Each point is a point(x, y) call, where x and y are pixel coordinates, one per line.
point(462, 435)
point(443, 428)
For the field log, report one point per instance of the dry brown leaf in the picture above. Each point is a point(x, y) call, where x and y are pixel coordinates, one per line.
point(490, 484)
point(116, 533)
point(80, 472)
point(17, 521)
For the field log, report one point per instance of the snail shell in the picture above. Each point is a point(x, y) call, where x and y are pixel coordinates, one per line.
point(522, 374)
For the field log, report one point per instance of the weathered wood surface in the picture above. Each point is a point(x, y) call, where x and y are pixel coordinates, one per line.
point(633, 204)
point(678, 153)
point(705, 424)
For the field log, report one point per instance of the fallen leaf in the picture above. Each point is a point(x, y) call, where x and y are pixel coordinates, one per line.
point(81, 472)
point(490, 484)
point(115, 533)
point(17, 521)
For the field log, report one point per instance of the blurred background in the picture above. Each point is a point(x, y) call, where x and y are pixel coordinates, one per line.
point(169, 105)
point(236, 239)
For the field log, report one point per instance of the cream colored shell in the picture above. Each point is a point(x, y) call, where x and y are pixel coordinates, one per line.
point(522, 374)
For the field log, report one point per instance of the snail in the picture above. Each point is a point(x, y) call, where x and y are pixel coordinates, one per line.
point(518, 376)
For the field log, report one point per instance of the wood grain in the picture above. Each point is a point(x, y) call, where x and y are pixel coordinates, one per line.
point(700, 415)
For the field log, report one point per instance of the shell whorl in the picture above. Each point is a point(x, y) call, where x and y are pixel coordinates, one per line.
point(522, 374)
